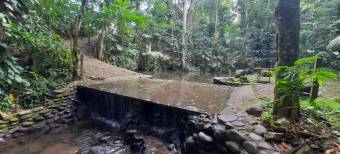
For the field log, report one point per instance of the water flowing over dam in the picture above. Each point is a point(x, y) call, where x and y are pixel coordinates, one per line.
point(189, 96)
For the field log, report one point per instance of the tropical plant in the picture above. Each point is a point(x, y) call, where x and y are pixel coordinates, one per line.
point(302, 74)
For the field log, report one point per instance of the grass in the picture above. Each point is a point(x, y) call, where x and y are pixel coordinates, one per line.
point(329, 109)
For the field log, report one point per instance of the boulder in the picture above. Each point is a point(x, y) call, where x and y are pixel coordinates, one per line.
point(255, 111)
point(205, 138)
point(282, 122)
point(232, 146)
point(219, 132)
point(264, 145)
point(255, 137)
point(260, 130)
point(250, 147)
point(234, 135)
point(273, 136)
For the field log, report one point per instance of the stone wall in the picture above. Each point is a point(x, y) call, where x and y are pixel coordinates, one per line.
point(60, 110)
point(209, 135)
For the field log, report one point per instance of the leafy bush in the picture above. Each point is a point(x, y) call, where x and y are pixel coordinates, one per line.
point(295, 78)
point(10, 80)
point(47, 64)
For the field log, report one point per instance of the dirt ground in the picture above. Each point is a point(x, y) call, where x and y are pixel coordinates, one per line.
point(95, 69)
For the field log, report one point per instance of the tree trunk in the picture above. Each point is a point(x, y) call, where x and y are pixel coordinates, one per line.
point(75, 48)
point(184, 31)
point(100, 46)
point(101, 39)
point(287, 16)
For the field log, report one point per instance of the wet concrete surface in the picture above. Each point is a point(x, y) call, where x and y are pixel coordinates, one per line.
point(199, 97)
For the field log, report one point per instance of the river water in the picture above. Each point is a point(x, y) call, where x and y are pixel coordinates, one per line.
point(73, 139)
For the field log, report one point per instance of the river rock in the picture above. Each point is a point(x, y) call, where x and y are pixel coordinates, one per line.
point(260, 130)
point(3, 122)
point(101, 150)
point(3, 126)
point(38, 109)
point(190, 142)
point(233, 135)
point(238, 124)
point(224, 120)
point(273, 136)
point(13, 119)
point(282, 122)
point(255, 137)
point(255, 111)
point(38, 118)
point(205, 138)
point(27, 124)
point(25, 112)
point(338, 140)
point(199, 126)
point(264, 145)
point(250, 147)
point(219, 132)
point(13, 130)
point(232, 146)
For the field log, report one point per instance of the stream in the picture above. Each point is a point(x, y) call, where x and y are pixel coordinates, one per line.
point(77, 138)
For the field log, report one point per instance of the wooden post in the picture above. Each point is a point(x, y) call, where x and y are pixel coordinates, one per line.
point(315, 87)
point(81, 66)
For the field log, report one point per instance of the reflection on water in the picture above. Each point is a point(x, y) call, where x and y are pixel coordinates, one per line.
point(193, 96)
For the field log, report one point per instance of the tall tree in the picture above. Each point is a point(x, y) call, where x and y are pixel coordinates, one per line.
point(184, 32)
point(287, 16)
point(75, 48)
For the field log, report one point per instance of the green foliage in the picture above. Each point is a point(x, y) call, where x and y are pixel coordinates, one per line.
point(11, 80)
point(44, 63)
point(294, 79)
point(267, 117)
